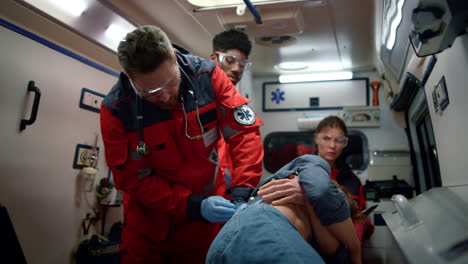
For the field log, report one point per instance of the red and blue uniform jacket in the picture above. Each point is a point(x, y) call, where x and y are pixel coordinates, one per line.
point(167, 185)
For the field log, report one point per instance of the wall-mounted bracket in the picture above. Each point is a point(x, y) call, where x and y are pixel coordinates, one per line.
point(85, 156)
point(91, 100)
point(440, 96)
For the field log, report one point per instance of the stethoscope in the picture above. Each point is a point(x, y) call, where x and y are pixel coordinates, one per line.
point(142, 147)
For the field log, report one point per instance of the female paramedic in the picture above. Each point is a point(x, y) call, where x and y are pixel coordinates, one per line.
point(264, 233)
point(331, 137)
point(160, 125)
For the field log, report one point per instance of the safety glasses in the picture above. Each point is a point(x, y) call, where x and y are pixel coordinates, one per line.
point(229, 60)
point(339, 141)
point(145, 93)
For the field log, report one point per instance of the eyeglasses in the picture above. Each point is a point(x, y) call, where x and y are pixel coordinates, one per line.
point(229, 60)
point(151, 92)
point(339, 141)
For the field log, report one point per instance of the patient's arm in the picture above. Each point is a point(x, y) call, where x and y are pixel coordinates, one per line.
point(327, 243)
point(328, 238)
point(344, 232)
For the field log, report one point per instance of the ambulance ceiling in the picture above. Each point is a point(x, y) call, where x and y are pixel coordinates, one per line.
point(315, 35)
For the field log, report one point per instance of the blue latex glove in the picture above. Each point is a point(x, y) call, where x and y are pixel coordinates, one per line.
point(216, 209)
point(240, 205)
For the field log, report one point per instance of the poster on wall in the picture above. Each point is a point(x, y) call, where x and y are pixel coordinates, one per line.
point(319, 95)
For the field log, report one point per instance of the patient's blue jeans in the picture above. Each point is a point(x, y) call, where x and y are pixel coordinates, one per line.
point(260, 234)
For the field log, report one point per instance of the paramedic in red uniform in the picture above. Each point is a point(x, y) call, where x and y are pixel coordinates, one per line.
point(231, 49)
point(160, 125)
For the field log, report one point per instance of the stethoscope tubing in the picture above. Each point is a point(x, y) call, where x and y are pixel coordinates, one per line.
point(142, 147)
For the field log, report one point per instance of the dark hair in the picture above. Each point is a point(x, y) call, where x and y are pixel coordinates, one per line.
point(232, 39)
point(144, 49)
point(332, 122)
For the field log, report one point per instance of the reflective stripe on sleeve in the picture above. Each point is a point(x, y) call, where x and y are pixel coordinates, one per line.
point(228, 132)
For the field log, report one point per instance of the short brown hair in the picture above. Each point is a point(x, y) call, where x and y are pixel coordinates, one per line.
point(332, 122)
point(356, 214)
point(144, 49)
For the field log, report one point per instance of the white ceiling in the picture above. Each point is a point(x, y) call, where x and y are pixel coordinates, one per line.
point(335, 35)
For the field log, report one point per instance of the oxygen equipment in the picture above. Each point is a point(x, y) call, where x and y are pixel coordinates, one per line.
point(90, 170)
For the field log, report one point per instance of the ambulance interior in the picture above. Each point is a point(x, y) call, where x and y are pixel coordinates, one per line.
point(401, 89)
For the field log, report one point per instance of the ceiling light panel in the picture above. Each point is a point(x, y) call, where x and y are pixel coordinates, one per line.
point(73, 7)
point(292, 66)
point(89, 18)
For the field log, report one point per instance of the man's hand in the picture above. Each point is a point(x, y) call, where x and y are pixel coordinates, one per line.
point(283, 191)
point(216, 209)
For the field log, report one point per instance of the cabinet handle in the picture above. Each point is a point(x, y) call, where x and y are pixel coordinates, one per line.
point(35, 108)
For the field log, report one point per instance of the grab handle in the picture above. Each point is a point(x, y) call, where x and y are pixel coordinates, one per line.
point(35, 108)
point(253, 10)
point(406, 211)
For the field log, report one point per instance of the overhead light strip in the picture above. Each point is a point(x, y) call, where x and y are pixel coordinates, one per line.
point(227, 6)
point(73, 7)
point(394, 25)
point(324, 76)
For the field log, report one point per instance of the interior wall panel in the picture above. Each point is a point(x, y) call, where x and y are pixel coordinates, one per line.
point(38, 185)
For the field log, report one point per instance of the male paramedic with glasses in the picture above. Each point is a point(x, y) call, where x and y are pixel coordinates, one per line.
point(160, 125)
point(231, 49)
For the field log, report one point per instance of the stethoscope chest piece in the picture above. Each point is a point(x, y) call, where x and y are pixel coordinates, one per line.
point(142, 148)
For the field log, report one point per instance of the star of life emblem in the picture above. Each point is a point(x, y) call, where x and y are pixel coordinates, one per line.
point(244, 115)
point(213, 157)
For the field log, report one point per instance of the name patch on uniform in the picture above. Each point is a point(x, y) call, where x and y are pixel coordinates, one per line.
point(244, 115)
point(210, 136)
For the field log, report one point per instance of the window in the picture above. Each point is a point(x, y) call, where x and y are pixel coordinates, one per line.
point(283, 147)
point(422, 141)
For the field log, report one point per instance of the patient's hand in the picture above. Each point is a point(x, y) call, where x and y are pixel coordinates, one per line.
point(283, 191)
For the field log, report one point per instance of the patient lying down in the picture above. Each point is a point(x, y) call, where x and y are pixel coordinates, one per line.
point(316, 228)
point(328, 238)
